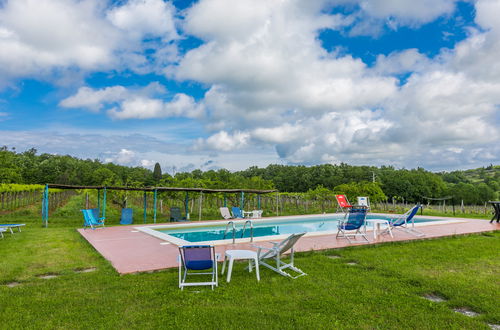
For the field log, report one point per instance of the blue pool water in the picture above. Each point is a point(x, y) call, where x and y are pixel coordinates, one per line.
point(278, 227)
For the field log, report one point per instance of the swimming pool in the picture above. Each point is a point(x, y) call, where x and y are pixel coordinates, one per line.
point(263, 229)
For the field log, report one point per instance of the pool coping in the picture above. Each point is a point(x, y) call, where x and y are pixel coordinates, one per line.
point(152, 229)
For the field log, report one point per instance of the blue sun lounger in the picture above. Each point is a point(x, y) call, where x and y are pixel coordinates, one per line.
point(89, 219)
point(9, 226)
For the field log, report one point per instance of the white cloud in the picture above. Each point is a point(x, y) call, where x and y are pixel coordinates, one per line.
point(138, 103)
point(223, 141)
point(408, 60)
point(94, 99)
point(43, 37)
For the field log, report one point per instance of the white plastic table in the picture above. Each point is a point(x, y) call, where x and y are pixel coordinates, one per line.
point(240, 255)
point(376, 226)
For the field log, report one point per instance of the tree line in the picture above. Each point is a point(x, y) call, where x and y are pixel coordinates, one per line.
point(380, 183)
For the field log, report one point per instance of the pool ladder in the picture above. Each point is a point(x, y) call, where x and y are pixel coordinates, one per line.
point(233, 229)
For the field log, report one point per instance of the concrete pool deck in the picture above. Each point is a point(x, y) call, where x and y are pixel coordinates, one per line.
point(131, 251)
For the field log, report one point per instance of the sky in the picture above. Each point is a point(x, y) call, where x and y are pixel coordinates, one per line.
point(212, 84)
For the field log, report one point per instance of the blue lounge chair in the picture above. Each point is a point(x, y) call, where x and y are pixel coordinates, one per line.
point(127, 216)
point(276, 252)
point(402, 222)
point(90, 220)
point(176, 215)
point(197, 260)
point(10, 226)
point(237, 213)
point(353, 224)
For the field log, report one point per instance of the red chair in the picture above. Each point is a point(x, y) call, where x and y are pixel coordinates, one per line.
point(344, 204)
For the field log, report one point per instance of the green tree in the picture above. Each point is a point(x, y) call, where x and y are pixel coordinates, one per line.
point(157, 173)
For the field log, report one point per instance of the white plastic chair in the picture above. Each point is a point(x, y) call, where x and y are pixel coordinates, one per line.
point(364, 201)
point(275, 253)
point(224, 211)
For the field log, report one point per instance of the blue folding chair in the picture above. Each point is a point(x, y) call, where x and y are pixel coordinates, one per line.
point(90, 220)
point(403, 221)
point(197, 260)
point(237, 213)
point(353, 224)
point(127, 216)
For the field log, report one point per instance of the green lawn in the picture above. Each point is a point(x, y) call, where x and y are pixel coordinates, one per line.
point(383, 289)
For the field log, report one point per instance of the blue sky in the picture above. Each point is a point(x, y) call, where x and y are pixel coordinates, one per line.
point(232, 84)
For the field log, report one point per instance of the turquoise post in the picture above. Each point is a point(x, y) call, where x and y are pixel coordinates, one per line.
point(258, 202)
point(145, 206)
point(99, 200)
point(154, 203)
point(104, 203)
point(186, 204)
point(225, 200)
point(242, 202)
point(45, 206)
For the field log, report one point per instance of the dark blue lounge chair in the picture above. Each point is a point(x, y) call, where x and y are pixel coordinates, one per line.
point(353, 224)
point(90, 220)
point(197, 260)
point(127, 216)
point(237, 213)
point(176, 215)
point(402, 222)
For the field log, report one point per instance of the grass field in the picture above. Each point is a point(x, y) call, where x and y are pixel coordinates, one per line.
point(366, 287)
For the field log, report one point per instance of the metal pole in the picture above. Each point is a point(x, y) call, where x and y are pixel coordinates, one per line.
point(104, 203)
point(154, 203)
point(186, 205)
point(242, 201)
point(145, 207)
point(225, 200)
point(277, 203)
point(45, 207)
point(99, 201)
point(201, 201)
point(258, 202)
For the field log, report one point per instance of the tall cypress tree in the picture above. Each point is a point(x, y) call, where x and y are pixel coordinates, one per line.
point(157, 173)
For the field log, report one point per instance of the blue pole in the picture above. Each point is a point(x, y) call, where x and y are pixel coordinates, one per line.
point(258, 202)
point(104, 203)
point(145, 207)
point(45, 206)
point(154, 202)
point(186, 204)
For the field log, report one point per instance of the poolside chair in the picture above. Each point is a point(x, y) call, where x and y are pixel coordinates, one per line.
point(256, 214)
point(1, 232)
point(176, 215)
point(402, 222)
point(10, 226)
point(364, 201)
point(90, 220)
point(197, 260)
point(353, 224)
point(237, 212)
point(224, 211)
point(344, 204)
point(127, 217)
point(275, 253)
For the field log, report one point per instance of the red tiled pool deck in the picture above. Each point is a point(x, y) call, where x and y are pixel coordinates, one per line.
point(131, 251)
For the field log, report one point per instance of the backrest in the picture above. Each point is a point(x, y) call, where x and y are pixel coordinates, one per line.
point(289, 242)
point(197, 257)
point(175, 213)
point(237, 212)
point(88, 217)
point(363, 201)
point(356, 217)
point(127, 216)
point(407, 217)
point(342, 200)
point(224, 211)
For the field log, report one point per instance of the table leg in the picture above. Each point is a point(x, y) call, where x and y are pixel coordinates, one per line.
point(224, 265)
point(230, 269)
point(257, 269)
